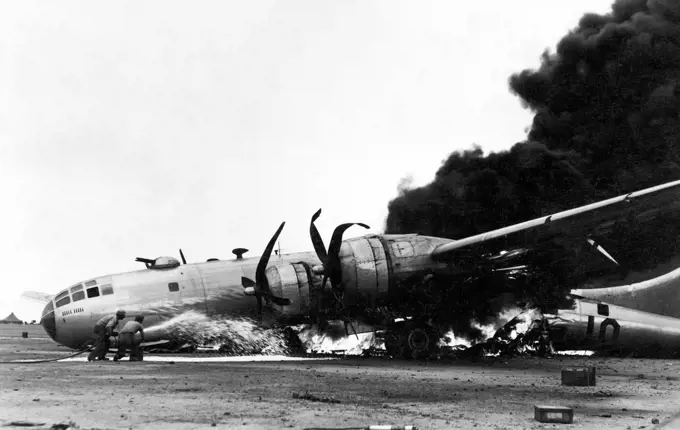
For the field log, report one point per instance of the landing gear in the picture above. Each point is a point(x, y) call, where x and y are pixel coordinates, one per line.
point(412, 341)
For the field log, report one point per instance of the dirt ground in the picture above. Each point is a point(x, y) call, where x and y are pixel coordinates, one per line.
point(498, 394)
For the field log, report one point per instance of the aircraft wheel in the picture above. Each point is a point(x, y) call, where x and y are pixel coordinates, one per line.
point(421, 342)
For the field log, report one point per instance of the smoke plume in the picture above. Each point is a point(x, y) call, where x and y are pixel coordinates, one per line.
point(606, 122)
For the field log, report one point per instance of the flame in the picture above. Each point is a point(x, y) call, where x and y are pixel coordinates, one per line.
point(317, 341)
point(450, 339)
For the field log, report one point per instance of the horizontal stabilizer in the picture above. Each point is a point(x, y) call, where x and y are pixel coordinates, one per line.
point(37, 296)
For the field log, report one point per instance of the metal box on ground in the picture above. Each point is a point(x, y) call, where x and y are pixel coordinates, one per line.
point(578, 376)
point(553, 414)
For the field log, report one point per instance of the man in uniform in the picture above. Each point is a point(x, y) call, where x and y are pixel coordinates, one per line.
point(105, 328)
point(126, 340)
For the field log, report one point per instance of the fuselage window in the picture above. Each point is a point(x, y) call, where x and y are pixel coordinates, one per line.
point(90, 283)
point(49, 308)
point(92, 292)
point(61, 295)
point(173, 286)
point(76, 288)
point(80, 295)
point(106, 289)
point(65, 301)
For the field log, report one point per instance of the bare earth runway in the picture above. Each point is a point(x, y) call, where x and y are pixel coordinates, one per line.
point(259, 395)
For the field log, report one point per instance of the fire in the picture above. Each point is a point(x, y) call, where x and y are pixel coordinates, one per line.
point(317, 341)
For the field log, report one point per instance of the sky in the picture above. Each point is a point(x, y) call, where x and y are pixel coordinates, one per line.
point(132, 129)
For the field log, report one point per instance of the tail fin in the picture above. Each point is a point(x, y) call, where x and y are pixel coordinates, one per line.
point(37, 296)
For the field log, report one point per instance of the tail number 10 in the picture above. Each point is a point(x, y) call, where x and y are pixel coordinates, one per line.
point(603, 328)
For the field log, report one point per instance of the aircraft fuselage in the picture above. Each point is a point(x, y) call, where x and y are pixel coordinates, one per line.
point(212, 288)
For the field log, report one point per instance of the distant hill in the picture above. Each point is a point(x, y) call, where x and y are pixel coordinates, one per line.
point(11, 319)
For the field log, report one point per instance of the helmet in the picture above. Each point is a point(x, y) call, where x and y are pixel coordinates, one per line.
point(120, 313)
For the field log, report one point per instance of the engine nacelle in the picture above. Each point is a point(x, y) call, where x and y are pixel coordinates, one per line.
point(373, 266)
point(295, 282)
point(373, 270)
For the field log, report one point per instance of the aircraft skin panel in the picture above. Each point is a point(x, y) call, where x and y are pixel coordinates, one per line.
point(223, 291)
point(659, 295)
point(411, 255)
point(593, 325)
point(381, 269)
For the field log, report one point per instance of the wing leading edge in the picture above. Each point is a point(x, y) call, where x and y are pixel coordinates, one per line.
point(583, 220)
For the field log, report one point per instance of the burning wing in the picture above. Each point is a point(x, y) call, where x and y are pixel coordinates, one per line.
point(584, 225)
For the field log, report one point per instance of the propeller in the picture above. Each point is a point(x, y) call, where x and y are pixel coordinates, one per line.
point(260, 287)
point(331, 259)
point(181, 254)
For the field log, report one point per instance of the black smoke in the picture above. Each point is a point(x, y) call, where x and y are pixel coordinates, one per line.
point(607, 121)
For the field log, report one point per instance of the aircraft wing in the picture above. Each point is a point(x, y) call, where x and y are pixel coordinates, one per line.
point(37, 296)
point(580, 222)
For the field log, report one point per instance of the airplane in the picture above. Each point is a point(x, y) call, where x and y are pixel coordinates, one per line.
point(363, 281)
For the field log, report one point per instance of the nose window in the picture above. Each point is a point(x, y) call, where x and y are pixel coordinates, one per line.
point(61, 295)
point(80, 295)
point(65, 301)
point(92, 292)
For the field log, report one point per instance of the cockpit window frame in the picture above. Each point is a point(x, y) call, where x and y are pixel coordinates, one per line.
point(78, 296)
point(91, 295)
point(61, 295)
point(63, 301)
point(90, 283)
point(75, 288)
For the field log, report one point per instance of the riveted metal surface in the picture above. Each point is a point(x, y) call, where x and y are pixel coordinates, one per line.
point(381, 267)
point(283, 282)
point(303, 284)
point(367, 279)
point(403, 248)
point(349, 272)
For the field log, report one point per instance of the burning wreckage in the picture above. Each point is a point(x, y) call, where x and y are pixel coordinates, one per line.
point(515, 332)
point(525, 333)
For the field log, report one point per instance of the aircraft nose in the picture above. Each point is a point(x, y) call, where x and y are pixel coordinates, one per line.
point(49, 322)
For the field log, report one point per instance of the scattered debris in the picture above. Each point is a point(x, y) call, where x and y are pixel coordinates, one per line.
point(553, 414)
point(311, 397)
point(578, 376)
point(24, 424)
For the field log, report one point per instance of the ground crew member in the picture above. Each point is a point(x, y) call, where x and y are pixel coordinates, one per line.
point(105, 328)
point(126, 340)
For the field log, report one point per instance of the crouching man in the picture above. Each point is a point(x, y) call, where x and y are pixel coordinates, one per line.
point(126, 340)
point(103, 329)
